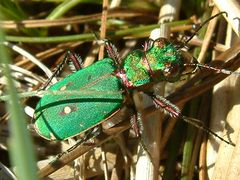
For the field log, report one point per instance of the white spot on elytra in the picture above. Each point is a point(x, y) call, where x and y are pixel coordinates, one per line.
point(67, 110)
point(81, 125)
point(63, 88)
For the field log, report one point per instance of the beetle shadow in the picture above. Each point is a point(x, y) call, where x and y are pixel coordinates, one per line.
point(231, 98)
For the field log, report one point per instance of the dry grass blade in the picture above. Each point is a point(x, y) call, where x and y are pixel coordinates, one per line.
point(80, 150)
point(37, 23)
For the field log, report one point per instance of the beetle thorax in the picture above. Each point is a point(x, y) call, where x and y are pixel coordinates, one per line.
point(160, 62)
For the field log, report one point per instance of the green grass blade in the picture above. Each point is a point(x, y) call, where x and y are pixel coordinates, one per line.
point(20, 145)
point(66, 6)
point(12, 11)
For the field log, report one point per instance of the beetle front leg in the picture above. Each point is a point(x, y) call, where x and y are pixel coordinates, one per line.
point(175, 112)
point(166, 105)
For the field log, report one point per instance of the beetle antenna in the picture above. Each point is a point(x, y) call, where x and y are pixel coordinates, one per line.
point(200, 26)
point(216, 69)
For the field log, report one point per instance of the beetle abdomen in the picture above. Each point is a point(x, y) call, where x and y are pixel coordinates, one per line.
point(63, 116)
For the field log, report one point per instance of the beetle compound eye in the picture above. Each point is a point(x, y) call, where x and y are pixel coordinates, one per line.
point(161, 42)
point(170, 70)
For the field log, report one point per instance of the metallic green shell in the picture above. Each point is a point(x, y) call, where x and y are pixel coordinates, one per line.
point(63, 116)
point(135, 69)
point(157, 57)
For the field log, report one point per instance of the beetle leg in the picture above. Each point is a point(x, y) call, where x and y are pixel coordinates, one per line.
point(137, 130)
point(166, 105)
point(111, 50)
point(113, 53)
point(88, 135)
point(135, 125)
point(175, 112)
point(144, 147)
point(73, 57)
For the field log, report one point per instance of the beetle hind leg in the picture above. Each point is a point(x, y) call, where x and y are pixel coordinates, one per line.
point(73, 57)
point(138, 128)
point(88, 135)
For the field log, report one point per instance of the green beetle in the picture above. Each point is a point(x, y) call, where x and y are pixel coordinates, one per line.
point(59, 117)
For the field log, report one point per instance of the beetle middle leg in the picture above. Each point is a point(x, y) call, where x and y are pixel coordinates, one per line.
point(137, 128)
